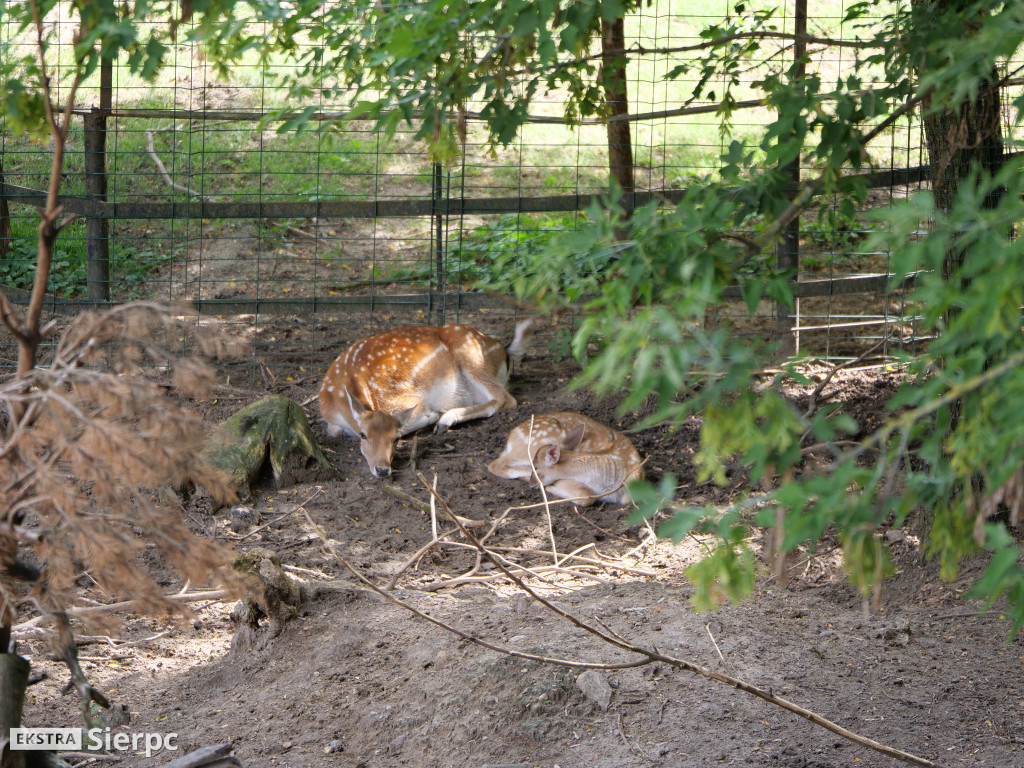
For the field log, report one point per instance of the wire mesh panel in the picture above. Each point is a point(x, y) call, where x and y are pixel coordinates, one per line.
point(304, 241)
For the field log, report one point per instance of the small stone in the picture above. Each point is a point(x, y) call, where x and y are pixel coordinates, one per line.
point(243, 517)
point(595, 687)
point(894, 535)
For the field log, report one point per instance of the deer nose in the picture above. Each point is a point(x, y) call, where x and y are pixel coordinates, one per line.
point(382, 471)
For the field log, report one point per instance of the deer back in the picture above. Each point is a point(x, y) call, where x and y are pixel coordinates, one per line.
point(401, 380)
point(377, 373)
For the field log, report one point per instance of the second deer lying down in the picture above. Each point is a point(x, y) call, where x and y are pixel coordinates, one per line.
point(574, 456)
point(396, 382)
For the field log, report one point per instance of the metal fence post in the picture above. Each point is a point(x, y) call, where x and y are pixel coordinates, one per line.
point(438, 242)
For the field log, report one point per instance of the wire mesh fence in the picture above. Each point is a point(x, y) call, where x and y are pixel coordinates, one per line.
point(304, 241)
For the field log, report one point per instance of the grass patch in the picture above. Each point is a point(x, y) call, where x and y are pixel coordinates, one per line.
point(130, 267)
point(481, 256)
point(239, 161)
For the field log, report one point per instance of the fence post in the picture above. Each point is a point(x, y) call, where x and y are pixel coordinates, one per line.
point(6, 233)
point(438, 244)
point(787, 254)
point(97, 230)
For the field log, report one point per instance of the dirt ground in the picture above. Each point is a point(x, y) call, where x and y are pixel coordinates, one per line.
point(355, 680)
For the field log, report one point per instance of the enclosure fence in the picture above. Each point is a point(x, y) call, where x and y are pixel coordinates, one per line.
point(303, 242)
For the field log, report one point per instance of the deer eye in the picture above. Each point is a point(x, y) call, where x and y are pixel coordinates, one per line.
point(362, 436)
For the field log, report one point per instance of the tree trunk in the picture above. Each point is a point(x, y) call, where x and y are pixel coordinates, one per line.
point(13, 683)
point(960, 140)
point(613, 77)
point(787, 252)
point(97, 263)
point(969, 137)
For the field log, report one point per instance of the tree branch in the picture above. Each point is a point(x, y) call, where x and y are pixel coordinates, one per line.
point(611, 637)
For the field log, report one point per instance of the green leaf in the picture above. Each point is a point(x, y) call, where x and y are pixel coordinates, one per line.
point(845, 423)
point(681, 523)
point(403, 41)
point(752, 292)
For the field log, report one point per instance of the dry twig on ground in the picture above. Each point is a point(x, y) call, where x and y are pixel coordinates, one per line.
point(647, 655)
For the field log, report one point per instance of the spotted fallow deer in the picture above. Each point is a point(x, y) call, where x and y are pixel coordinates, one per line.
point(396, 382)
point(574, 456)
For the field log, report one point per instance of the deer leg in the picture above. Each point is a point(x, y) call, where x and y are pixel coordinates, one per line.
point(467, 413)
point(421, 417)
point(487, 397)
point(484, 387)
point(572, 489)
point(335, 429)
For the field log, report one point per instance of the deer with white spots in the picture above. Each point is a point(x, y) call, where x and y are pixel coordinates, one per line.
point(391, 384)
point(574, 456)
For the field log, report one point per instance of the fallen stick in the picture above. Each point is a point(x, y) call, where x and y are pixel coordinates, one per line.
point(495, 576)
point(651, 655)
point(714, 642)
point(213, 594)
point(465, 635)
point(607, 564)
point(416, 556)
point(282, 516)
point(163, 171)
point(424, 506)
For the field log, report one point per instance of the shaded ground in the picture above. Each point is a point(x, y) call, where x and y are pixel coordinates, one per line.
point(355, 680)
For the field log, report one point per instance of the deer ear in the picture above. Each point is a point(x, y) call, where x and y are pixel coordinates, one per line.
point(403, 416)
point(551, 454)
point(574, 437)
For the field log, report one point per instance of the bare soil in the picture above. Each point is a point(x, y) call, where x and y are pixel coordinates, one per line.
point(356, 680)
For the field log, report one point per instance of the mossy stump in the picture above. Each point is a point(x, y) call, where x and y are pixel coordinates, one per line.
point(274, 429)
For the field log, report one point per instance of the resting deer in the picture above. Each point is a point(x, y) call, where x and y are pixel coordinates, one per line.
point(574, 456)
point(572, 431)
point(396, 382)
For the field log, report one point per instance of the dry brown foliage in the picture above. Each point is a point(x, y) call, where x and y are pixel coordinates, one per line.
point(93, 442)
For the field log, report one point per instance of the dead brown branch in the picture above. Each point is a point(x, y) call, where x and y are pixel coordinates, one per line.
point(589, 563)
point(582, 568)
point(812, 402)
point(329, 548)
point(407, 498)
point(163, 171)
point(31, 625)
point(647, 654)
point(290, 512)
point(93, 447)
